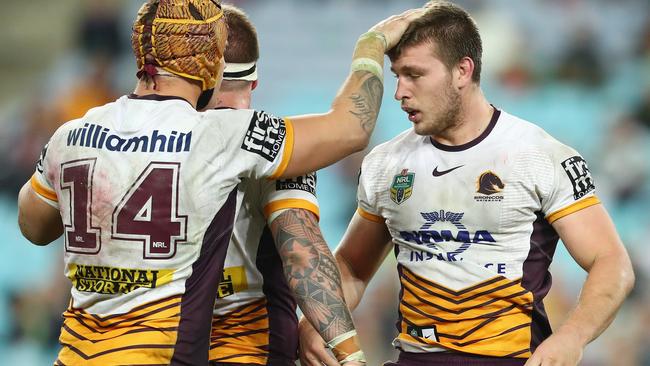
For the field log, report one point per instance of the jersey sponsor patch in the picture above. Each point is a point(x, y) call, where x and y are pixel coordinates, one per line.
point(113, 280)
point(426, 333)
point(265, 135)
point(444, 243)
point(305, 183)
point(578, 172)
point(233, 279)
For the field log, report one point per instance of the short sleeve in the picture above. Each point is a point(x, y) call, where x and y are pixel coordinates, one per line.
point(270, 138)
point(367, 191)
point(572, 187)
point(257, 144)
point(40, 182)
point(299, 192)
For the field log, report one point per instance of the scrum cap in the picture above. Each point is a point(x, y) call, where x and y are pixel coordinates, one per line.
point(183, 37)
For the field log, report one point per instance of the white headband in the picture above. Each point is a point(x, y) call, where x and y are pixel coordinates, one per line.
point(247, 71)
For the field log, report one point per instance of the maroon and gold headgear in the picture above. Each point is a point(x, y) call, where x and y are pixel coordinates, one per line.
point(183, 37)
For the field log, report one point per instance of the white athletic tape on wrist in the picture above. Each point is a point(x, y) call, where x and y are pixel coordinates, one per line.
point(368, 64)
point(340, 338)
point(344, 345)
point(357, 356)
point(373, 34)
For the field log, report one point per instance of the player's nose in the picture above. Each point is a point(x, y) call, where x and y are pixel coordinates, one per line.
point(401, 92)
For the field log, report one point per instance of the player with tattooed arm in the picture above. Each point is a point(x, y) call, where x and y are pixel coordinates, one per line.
point(277, 255)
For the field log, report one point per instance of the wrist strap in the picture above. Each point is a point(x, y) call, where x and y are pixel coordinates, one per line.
point(346, 347)
point(373, 34)
point(368, 64)
point(357, 356)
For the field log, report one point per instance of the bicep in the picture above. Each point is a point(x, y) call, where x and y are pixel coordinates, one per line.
point(589, 234)
point(317, 143)
point(39, 222)
point(364, 247)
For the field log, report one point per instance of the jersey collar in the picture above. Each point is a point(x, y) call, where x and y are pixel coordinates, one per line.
point(156, 97)
point(493, 121)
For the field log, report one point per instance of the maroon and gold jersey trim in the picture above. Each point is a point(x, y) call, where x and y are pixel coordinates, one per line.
point(471, 320)
point(290, 203)
point(288, 150)
point(241, 336)
point(577, 206)
point(368, 216)
point(42, 190)
point(144, 336)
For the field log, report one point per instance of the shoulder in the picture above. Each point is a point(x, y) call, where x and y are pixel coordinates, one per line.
point(228, 116)
point(226, 125)
point(65, 129)
point(385, 157)
point(258, 123)
point(532, 138)
point(401, 144)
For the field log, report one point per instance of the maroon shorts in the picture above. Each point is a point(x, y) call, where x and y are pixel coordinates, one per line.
point(452, 359)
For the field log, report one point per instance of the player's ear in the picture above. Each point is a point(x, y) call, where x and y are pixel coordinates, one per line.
point(464, 69)
point(254, 85)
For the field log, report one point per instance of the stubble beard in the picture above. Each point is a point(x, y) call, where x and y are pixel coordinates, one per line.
point(448, 117)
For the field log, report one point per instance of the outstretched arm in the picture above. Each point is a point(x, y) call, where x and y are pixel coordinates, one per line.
point(314, 278)
point(322, 139)
point(592, 240)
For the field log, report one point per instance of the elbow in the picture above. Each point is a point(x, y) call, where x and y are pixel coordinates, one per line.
point(361, 145)
point(35, 236)
point(36, 239)
point(39, 241)
point(360, 141)
point(628, 279)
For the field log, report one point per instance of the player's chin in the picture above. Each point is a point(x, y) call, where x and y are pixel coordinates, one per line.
point(422, 129)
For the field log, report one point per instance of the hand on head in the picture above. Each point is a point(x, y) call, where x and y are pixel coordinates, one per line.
point(394, 26)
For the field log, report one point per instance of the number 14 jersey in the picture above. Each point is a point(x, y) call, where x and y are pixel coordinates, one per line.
point(146, 188)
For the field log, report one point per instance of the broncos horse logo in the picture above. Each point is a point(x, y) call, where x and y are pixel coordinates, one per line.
point(489, 183)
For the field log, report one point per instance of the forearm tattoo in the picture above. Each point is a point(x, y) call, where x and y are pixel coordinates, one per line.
point(367, 101)
point(311, 272)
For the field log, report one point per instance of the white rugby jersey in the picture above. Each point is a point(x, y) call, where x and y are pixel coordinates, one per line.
point(146, 187)
point(254, 319)
point(472, 234)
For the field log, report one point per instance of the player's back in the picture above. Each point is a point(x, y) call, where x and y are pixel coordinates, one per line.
point(146, 188)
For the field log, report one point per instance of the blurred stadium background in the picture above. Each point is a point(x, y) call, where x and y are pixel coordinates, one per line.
point(578, 68)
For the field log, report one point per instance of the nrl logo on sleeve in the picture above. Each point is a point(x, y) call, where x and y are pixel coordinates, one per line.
point(576, 169)
point(305, 183)
point(402, 186)
point(265, 135)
